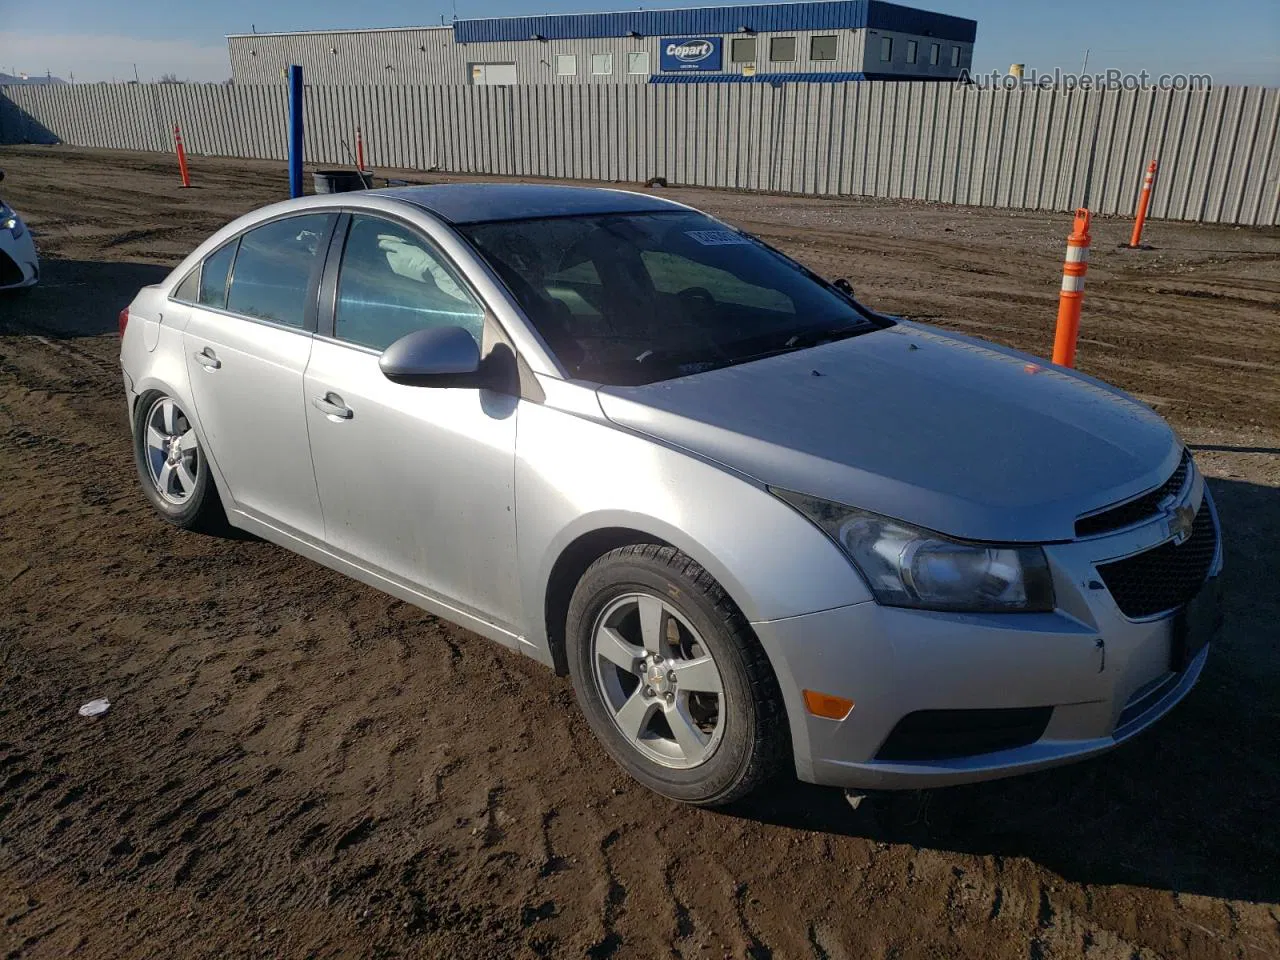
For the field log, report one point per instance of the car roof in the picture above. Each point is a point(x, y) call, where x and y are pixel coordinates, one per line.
point(461, 203)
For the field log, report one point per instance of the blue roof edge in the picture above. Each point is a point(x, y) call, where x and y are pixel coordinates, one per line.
point(757, 18)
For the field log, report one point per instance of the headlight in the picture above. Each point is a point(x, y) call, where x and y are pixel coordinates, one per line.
point(907, 566)
point(11, 221)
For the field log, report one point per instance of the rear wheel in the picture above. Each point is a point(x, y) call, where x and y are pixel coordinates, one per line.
point(172, 466)
point(671, 678)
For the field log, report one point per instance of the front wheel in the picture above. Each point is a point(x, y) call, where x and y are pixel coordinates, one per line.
point(671, 678)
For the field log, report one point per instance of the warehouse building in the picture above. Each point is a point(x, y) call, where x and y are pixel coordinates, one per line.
point(831, 40)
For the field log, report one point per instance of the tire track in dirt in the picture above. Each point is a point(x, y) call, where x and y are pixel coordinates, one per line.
point(296, 765)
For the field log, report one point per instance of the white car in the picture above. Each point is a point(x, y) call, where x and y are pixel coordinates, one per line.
point(19, 265)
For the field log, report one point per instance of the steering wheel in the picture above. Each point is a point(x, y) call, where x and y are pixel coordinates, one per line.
point(698, 295)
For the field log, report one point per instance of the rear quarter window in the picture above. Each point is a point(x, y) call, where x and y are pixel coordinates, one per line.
point(213, 273)
point(206, 284)
point(189, 289)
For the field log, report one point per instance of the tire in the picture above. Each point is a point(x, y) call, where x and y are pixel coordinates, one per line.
point(184, 495)
point(739, 738)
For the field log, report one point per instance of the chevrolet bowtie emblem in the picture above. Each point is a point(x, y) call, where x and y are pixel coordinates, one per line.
point(1181, 520)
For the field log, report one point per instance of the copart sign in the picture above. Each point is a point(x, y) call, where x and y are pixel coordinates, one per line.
point(691, 53)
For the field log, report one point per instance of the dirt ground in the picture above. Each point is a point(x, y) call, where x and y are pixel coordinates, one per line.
point(298, 766)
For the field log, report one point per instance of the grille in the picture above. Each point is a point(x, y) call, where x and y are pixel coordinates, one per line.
point(1166, 577)
point(10, 272)
point(1140, 508)
point(947, 734)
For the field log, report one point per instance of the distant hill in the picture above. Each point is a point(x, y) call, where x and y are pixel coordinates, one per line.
point(10, 80)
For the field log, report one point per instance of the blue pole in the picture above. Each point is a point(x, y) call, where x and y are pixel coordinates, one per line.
point(295, 131)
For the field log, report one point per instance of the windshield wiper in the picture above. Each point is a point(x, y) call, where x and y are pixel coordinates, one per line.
point(685, 362)
point(819, 335)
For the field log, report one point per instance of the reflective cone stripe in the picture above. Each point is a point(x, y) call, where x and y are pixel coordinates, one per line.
point(1144, 201)
point(1071, 297)
point(182, 157)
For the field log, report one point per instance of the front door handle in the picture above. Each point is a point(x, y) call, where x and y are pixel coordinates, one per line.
point(208, 359)
point(331, 405)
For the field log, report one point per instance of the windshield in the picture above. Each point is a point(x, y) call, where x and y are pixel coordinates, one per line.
point(636, 298)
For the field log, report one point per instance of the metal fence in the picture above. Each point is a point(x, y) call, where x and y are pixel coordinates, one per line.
point(1027, 149)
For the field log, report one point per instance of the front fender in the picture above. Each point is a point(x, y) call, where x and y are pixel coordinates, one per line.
point(575, 475)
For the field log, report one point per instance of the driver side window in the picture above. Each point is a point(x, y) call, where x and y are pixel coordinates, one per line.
point(392, 282)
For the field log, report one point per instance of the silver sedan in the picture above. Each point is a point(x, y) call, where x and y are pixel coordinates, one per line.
point(759, 524)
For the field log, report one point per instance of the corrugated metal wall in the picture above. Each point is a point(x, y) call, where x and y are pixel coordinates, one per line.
point(1030, 149)
point(426, 55)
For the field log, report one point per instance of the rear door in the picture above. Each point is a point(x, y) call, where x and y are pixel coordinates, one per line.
point(415, 482)
point(247, 344)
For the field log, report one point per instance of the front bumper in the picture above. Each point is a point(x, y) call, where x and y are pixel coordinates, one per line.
point(1103, 678)
point(19, 264)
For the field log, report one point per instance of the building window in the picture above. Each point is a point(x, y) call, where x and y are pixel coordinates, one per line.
point(490, 74)
point(602, 64)
point(744, 50)
point(638, 62)
point(955, 56)
point(566, 65)
point(822, 48)
point(782, 49)
point(911, 51)
point(933, 54)
point(886, 49)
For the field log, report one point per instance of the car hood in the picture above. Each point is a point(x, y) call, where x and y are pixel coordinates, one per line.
point(943, 431)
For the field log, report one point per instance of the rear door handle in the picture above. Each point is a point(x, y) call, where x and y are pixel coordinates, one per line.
point(331, 405)
point(208, 359)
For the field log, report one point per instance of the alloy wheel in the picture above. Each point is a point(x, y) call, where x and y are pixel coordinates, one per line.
point(658, 680)
point(173, 454)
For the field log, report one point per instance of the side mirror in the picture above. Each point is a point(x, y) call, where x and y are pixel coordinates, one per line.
point(435, 357)
point(844, 286)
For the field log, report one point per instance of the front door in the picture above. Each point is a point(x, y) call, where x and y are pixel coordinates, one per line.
point(415, 482)
point(247, 346)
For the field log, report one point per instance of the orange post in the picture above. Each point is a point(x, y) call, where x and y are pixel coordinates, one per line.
point(359, 150)
point(182, 157)
point(1144, 201)
point(1072, 295)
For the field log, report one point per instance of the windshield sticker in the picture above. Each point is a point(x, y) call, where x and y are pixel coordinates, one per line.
point(716, 238)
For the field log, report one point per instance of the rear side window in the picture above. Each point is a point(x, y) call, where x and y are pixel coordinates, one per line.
point(393, 282)
point(213, 277)
point(274, 268)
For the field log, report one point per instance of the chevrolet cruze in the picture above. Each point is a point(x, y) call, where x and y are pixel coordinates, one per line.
point(760, 525)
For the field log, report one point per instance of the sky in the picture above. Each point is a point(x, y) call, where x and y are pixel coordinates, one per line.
point(1235, 41)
